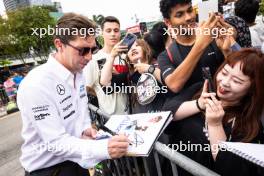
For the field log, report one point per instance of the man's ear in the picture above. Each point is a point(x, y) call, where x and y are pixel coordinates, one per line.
point(58, 44)
point(170, 31)
point(167, 22)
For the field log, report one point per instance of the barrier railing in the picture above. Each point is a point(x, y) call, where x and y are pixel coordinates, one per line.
point(131, 166)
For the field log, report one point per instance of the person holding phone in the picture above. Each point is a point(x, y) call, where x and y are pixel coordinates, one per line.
point(231, 113)
point(138, 60)
point(115, 103)
point(181, 63)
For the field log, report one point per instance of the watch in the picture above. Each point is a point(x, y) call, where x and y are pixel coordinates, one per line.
point(151, 69)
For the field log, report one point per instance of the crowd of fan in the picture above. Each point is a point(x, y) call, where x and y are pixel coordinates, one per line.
point(176, 62)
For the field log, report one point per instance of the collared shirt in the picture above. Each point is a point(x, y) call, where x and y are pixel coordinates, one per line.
point(53, 106)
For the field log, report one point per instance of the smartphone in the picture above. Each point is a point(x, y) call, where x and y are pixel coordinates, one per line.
point(207, 75)
point(129, 40)
point(205, 7)
point(143, 27)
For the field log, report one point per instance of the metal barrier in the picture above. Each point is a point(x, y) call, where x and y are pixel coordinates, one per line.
point(130, 166)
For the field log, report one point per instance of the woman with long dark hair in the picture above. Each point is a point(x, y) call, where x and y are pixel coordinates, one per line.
point(232, 113)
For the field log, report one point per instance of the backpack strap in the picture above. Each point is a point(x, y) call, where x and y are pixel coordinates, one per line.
point(174, 52)
point(170, 55)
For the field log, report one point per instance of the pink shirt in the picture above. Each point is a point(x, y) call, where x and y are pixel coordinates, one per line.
point(9, 85)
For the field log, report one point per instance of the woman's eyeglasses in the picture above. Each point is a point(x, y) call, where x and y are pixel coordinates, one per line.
point(85, 50)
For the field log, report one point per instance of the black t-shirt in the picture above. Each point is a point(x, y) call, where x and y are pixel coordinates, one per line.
point(212, 58)
point(190, 131)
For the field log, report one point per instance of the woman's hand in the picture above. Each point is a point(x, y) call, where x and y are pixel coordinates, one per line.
point(224, 43)
point(225, 40)
point(214, 111)
point(141, 68)
point(118, 48)
point(202, 100)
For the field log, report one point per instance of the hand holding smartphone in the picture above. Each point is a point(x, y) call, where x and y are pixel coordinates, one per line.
point(129, 40)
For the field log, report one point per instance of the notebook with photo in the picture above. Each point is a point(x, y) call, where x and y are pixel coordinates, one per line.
point(142, 130)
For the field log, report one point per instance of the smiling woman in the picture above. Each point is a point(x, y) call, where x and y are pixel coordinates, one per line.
point(233, 113)
point(141, 71)
point(239, 81)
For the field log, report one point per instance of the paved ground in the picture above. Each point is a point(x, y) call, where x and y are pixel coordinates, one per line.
point(10, 143)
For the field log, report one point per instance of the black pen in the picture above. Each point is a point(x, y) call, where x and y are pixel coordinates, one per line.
point(104, 128)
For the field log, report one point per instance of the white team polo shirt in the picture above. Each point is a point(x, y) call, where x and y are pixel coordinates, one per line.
point(54, 113)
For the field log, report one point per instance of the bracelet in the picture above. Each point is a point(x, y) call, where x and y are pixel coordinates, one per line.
point(198, 106)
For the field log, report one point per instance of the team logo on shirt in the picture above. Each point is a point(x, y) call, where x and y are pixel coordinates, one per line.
point(60, 89)
point(211, 53)
point(41, 116)
point(82, 88)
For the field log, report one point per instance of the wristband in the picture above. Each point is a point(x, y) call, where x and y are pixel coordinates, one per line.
point(198, 106)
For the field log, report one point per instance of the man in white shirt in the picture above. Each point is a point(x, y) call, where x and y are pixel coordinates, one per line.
point(53, 103)
point(115, 103)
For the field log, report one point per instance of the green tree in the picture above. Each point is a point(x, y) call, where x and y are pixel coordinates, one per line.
point(5, 62)
point(100, 40)
point(17, 33)
point(98, 19)
point(261, 9)
point(50, 8)
point(3, 34)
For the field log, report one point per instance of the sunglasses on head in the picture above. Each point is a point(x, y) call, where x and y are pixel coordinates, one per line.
point(85, 50)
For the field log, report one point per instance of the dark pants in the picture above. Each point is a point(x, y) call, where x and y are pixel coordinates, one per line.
point(66, 168)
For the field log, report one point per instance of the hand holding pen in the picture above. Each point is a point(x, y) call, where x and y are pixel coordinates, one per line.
point(105, 129)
